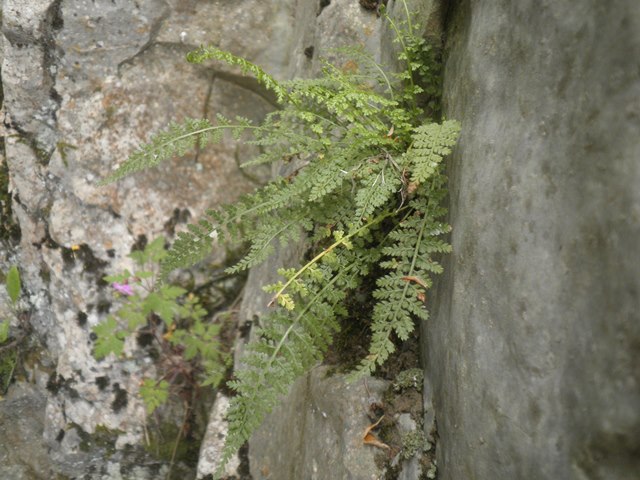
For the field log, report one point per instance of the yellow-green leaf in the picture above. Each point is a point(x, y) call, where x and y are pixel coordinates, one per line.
point(4, 331)
point(286, 301)
point(13, 284)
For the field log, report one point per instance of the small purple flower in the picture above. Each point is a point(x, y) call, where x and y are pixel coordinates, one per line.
point(122, 288)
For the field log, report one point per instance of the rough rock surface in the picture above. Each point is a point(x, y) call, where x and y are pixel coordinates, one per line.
point(213, 442)
point(23, 453)
point(322, 436)
point(84, 84)
point(533, 342)
point(532, 349)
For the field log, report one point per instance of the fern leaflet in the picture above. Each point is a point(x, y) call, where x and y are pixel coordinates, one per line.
point(176, 141)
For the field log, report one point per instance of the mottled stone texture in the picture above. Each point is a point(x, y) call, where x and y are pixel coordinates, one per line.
point(22, 450)
point(534, 341)
point(84, 84)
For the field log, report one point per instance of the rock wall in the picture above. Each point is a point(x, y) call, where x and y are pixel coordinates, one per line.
point(84, 84)
point(533, 343)
point(531, 353)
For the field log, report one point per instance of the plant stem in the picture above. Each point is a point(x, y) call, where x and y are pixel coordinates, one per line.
point(330, 248)
point(400, 38)
point(301, 314)
point(177, 442)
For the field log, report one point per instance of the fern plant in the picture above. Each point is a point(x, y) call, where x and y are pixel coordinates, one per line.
point(365, 190)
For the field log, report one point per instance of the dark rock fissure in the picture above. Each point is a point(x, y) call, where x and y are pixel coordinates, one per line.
point(322, 5)
point(151, 42)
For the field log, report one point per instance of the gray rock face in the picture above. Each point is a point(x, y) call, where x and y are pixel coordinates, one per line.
point(533, 341)
point(322, 436)
point(532, 350)
point(213, 442)
point(23, 453)
point(84, 84)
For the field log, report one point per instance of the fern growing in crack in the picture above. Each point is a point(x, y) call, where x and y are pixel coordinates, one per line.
point(364, 187)
point(400, 293)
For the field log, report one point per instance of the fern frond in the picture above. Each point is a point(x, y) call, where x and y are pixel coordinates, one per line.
point(341, 240)
point(369, 69)
point(332, 178)
point(380, 182)
point(431, 142)
point(400, 294)
point(175, 141)
point(262, 241)
point(207, 53)
point(189, 248)
point(290, 344)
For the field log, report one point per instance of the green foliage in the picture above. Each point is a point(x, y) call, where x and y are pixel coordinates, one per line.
point(154, 393)
point(246, 67)
point(8, 363)
point(409, 260)
point(177, 140)
point(365, 189)
point(110, 338)
point(173, 318)
point(9, 352)
point(13, 284)
point(431, 142)
point(4, 331)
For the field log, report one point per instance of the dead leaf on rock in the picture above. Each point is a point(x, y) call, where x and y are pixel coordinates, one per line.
point(370, 438)
point(417, 280)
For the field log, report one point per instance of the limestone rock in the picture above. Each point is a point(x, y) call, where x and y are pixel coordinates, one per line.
point(213, 442)
point(533, 341)
point(85, 84)
point(317, 431)
point(23, 453)
point(410, 468)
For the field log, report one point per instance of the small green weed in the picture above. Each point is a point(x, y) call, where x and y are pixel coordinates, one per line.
point(167, 317)
point(8, 352)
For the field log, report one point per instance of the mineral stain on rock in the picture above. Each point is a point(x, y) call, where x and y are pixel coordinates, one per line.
point(120, 399)
point(102, 382)
point(82, 319)
point(179, 216)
